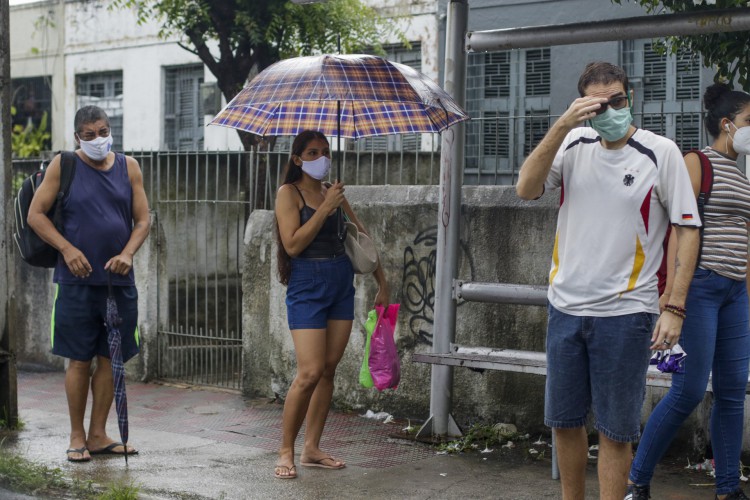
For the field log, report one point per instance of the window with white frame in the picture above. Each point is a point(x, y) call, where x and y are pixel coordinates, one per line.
point(508, 97)
point(183, 114)
point(667, 91)
point(104, 90)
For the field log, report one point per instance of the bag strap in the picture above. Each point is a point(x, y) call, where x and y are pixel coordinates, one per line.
point(707, 184)
point(67, 172)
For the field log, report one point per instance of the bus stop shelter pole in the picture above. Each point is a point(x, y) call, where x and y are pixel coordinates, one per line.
point(449, 210)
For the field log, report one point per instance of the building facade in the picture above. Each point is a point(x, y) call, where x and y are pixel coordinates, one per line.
point(68, 53)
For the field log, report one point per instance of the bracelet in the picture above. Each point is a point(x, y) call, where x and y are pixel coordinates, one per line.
point(676, 310)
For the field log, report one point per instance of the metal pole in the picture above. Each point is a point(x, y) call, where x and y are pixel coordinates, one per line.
point(631, 28)
point(449, 208)
point(8, 382)
point(502, 293)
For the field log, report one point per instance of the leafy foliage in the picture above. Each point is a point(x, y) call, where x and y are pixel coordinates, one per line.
point(235, 38)
point(727, 52)
point(29, 141)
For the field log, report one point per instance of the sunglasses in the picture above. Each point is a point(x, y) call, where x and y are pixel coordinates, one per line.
point(617, 102)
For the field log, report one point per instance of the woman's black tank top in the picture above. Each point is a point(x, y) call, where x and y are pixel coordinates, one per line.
point(326, 244)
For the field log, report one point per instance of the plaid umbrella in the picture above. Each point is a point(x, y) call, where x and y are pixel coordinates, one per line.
point(114, 339)
point(372, 96)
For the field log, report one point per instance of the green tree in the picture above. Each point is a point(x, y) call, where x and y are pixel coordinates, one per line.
point(238, 38)
point(727, 52)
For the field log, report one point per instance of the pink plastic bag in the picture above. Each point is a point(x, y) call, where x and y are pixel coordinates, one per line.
point(385, 367)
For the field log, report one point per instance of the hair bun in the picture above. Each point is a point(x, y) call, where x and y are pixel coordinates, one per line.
point(714, 94)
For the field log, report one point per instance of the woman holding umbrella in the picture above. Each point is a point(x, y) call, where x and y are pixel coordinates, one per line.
point(320, 295)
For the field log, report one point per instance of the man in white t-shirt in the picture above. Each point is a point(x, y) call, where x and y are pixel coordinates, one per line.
point(620, 187)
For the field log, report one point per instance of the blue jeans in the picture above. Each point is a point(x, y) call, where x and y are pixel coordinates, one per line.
point(715, 337)
point(598, 363)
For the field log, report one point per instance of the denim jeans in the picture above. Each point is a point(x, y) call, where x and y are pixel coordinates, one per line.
point(319, 290)
point(716, 338)
point(598, 363)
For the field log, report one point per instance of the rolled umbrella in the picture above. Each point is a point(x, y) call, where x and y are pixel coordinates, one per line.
point(114, 339)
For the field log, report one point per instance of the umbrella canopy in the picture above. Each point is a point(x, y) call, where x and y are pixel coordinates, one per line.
point(374, 96)
point(114, 339)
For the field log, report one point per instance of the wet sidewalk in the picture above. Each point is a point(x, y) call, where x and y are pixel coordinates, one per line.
point(204, 444)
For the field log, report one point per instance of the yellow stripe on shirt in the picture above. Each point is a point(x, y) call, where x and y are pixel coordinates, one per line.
point(555, 260)
point(640, 258)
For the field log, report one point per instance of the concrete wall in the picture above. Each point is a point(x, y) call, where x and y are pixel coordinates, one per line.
point(502, 240)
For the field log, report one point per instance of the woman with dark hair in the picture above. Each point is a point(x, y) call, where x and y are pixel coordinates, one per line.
point(715, 332)
point(320, 294)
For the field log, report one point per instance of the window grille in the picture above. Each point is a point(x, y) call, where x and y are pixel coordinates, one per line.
point(656, 123)
point(688, 84)
point(497, 72)
point(535, 127)
point(687, 127)
point(104, 90)
point(183, 114)
point(654, 74)
point(537, 72)
point(495, 134)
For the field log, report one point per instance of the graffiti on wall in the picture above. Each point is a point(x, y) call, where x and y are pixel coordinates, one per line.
point(418, 284)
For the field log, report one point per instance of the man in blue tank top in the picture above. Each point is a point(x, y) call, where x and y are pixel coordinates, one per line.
point(105, 221)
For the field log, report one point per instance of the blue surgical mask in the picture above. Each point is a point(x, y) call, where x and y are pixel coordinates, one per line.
point(317, 169)
point(613, 124)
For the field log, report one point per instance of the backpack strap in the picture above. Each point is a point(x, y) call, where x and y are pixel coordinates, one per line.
point(707, 184)
point(67, 172)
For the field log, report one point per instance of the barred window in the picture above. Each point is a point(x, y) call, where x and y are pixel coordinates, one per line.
point(104, 90)
point(183, 115)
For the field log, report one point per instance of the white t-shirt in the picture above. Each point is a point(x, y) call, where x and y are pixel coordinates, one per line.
point(615, 206)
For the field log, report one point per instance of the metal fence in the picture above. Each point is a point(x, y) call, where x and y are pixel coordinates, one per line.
point(202, 200)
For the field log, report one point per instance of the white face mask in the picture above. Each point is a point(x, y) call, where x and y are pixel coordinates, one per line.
point(97, 149)
point(741, 140)
point(317, 169)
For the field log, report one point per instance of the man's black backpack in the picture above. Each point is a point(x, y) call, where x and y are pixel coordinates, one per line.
point(33, 249)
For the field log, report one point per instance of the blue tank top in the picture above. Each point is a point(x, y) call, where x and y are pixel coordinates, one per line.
point(98, 220)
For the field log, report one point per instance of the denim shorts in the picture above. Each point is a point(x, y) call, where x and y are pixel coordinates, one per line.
point(319, 290)
point(78, 329)
point(597, 363)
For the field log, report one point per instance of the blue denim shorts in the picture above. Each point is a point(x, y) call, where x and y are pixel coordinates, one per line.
point(319, 290)
point(598, 364)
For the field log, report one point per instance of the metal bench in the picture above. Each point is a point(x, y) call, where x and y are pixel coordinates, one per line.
point(512, 360)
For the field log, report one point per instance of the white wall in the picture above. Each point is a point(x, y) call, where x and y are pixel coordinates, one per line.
point(95, 38)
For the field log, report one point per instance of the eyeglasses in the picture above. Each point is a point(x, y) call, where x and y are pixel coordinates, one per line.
point(617, 102)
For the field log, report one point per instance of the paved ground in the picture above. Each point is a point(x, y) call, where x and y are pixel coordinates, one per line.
point(202, 444)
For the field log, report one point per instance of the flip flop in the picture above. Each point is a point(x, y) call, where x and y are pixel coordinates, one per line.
point(110, 450)
point(319, 463)
point(77, 450)
point(291, 472)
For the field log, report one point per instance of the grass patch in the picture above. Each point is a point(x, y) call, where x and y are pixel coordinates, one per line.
point(24, 476)
point(120, 492)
